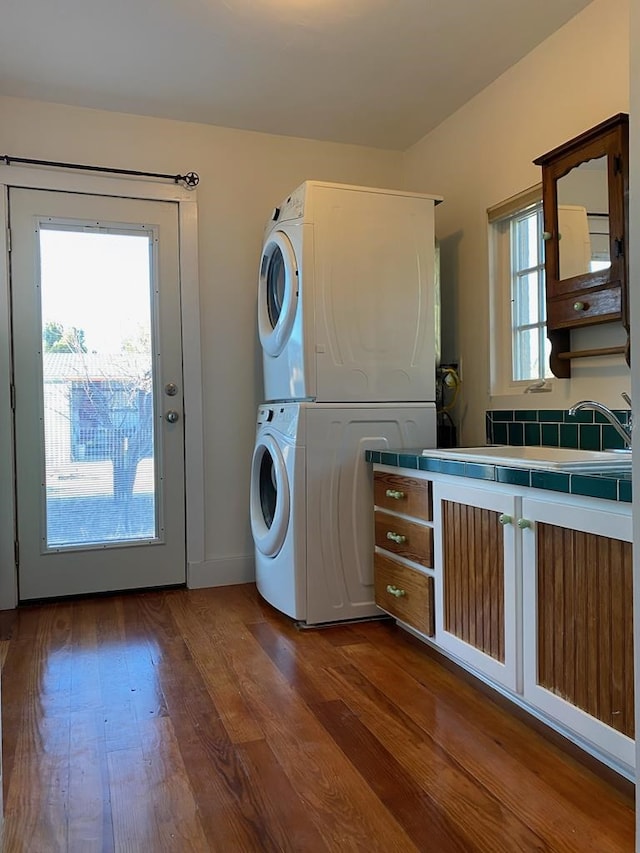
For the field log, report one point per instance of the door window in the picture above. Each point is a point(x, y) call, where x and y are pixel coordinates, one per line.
point(97, 388)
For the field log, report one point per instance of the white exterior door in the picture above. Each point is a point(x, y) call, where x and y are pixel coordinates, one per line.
point(95, 290)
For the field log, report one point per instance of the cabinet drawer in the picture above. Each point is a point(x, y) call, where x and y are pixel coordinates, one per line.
point(400, 493)
point(405, 593)
point(584, 309)
point(404, 537)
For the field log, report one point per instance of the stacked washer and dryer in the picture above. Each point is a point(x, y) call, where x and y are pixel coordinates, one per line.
point(347, 324)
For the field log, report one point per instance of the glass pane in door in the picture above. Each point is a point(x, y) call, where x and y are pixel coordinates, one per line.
point(97, 387)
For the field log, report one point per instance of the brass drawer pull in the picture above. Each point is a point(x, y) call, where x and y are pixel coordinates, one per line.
point(580, 306)
point(393, 590)
point(396, 494)
point(398, 538)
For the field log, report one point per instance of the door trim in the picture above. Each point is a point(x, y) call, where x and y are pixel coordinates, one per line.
point(39, 179)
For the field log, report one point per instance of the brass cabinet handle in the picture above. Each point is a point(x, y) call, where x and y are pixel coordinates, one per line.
point(505, 519)
point(580, 306)
point(398, 538)
point(393, 590)
point(396, 494)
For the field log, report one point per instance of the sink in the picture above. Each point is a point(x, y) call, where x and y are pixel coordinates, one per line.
point(554, 458)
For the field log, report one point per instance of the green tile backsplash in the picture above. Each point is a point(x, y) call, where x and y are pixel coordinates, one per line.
point(586, 430)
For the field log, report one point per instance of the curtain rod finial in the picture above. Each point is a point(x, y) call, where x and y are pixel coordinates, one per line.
point(190, 180)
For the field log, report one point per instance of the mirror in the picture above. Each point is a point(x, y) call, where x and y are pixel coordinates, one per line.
point(583, 219)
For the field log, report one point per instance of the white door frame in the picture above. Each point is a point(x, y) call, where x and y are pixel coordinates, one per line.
point(41, 179)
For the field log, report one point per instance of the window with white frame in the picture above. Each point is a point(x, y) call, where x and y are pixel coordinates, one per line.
point(529, 345)
point(520, 349)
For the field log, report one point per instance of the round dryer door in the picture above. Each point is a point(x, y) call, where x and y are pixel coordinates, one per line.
point(277, 293)
point(270, 501)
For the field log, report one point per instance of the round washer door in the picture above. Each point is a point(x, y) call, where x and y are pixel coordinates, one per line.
point(277, 293)
point(270, 501)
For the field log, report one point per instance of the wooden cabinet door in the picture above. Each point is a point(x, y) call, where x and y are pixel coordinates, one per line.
point(578, 622)
point(476, 614)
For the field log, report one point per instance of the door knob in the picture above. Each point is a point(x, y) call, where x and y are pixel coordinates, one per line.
point(172, 416)
point(171, 389)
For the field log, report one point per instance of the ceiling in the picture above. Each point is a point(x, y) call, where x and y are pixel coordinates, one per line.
point(371, 72)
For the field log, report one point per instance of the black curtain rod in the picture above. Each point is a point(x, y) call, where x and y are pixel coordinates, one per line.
point(190, 180)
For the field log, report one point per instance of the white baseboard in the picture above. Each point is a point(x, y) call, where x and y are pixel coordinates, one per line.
point(222, 571)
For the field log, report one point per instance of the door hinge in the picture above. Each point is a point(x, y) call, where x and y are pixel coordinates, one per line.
point(8, 239)
point(16, 550)
point(617, 164)
point(12, 396)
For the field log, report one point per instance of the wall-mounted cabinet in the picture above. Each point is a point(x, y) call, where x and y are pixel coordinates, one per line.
point(585, 196)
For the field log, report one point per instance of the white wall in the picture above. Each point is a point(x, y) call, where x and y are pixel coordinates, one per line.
point(243, 176)
point(482, 155)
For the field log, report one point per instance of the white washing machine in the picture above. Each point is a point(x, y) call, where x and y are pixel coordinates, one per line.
point(278, 509)
point(312, 502)
point(346, 296)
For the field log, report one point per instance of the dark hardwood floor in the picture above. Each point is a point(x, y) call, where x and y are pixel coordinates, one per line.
point(205, 721)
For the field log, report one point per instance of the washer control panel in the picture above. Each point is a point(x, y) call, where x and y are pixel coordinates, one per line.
point(293, 206)
point(265, 415)
point(283, 417)
point(289, 210)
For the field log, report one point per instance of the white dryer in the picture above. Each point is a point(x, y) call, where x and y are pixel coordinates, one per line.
point(346, 296)
point(312, 502)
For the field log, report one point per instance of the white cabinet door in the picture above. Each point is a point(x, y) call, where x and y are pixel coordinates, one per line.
point(578, 622)
point(477, 588)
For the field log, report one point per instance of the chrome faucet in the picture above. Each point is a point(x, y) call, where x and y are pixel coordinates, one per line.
point(624, 430)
